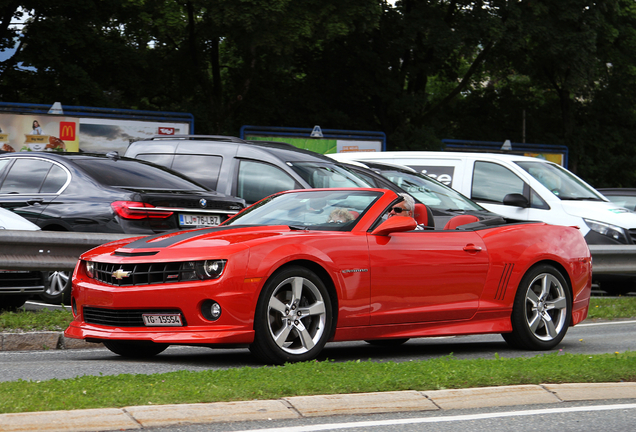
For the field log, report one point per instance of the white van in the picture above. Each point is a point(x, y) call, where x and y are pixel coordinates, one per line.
point(520, 187)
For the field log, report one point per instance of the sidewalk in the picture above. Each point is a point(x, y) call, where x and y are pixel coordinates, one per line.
point(41, 340)
point(141, 417)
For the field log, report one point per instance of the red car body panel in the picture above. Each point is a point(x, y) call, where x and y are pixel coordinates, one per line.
point(401, 285)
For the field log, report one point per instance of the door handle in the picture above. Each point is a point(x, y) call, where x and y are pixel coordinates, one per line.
point(35, 201)
point(472, 248)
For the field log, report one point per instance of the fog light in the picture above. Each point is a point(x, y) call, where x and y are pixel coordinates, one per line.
point(211, 310)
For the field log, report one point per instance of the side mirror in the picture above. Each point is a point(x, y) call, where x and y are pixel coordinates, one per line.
point(516, 200)
point(395, 224)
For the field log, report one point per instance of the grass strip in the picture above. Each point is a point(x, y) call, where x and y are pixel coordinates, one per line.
point(311, 378)
point(611, 308)
point(23, 320)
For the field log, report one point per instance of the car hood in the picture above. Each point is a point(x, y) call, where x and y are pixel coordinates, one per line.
point(601, 211)
point(186, 245)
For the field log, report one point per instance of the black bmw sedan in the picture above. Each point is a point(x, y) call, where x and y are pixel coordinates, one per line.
point(107, 194)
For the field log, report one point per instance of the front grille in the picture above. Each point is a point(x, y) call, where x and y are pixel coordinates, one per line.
point(121, 317)
point(143, 274)
point(632, 235)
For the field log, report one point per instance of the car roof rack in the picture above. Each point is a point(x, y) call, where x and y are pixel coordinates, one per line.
point(223, 138)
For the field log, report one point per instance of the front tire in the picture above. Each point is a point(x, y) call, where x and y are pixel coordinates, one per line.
point(542, 310)
point(294, 317)
point(135, 349)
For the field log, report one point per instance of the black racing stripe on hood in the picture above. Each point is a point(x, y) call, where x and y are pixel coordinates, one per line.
point(148, 243)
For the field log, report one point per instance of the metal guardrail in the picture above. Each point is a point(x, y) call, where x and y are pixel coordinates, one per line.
point(53, 250)
point(48, 250)
point(613, 259)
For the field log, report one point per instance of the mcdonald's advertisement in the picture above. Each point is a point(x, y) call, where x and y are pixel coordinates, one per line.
point(38, 132)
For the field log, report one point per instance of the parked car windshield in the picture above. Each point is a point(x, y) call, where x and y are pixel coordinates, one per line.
point(135, 173)
point(310, 209)
point(326, 175)
point(560, 181)
point(429, 191)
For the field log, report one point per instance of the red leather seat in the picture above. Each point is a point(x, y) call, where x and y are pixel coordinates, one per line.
point(421, 215)
point(458, 220)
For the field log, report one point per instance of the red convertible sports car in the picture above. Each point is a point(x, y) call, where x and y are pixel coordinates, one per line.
point(302, 268)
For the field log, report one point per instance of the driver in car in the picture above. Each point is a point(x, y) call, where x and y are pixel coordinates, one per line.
point(404, 207)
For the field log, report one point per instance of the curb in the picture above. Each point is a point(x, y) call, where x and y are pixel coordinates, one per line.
point(140, 417)
point(42, 340)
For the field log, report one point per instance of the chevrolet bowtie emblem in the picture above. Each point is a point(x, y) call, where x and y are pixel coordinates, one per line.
point(119, 274)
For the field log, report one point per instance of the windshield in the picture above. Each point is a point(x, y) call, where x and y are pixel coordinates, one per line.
point(326, 175)
point(429, 191)
point(316, 210)
point(560, 181)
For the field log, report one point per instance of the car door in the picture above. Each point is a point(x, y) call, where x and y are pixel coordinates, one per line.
point(29, 185)
point(422, 276)
point(491, 182)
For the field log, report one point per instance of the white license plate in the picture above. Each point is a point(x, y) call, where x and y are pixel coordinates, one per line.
point(199, 220)
point(162, 320)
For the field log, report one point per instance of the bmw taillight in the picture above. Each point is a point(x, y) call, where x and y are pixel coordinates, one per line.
point(138, 210)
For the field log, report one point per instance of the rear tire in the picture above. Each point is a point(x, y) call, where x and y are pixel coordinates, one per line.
point(293, 319)
point(542, 310)
point(135, 349)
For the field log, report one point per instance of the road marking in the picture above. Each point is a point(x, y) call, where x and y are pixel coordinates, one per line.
point(605, 323)
point(469, 417)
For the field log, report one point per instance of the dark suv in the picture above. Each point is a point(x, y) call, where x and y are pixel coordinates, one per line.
point(249, 170)
point(107, 194)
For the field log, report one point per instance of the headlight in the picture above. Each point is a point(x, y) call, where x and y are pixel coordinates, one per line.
point(612, 231)
point(209, 269)
point(89, 267)
point(202, 270)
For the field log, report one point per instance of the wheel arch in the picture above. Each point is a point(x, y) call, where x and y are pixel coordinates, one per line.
point(559, 267)
point(324, 276)
point(54, 227)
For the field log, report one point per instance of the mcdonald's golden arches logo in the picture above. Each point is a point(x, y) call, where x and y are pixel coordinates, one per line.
point(67, 131)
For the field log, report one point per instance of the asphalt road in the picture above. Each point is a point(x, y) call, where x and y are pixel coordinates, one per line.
point(586, 338)
point(607, 416)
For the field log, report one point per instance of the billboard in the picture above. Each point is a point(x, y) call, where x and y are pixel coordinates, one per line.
point(550, 152)
point(98, 135)
point(37, 127)
point(318, 140)
point(38, 132)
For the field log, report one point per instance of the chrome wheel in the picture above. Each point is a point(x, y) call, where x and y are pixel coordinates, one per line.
point(57, 287)
point(293, 319)
point(296, 315)
point(546, 307)
point(57, 282)
point(541, 310)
